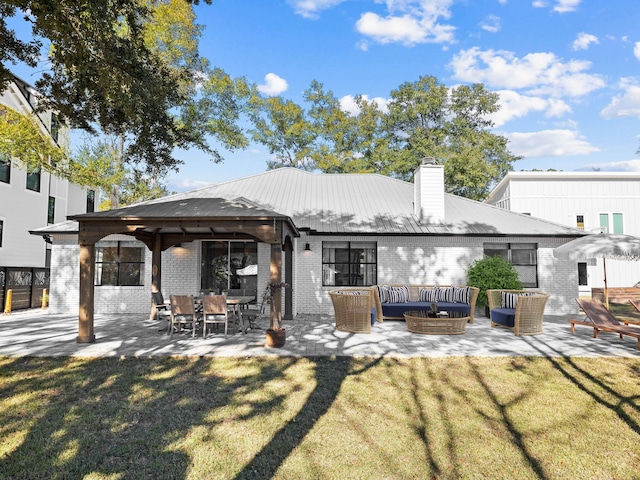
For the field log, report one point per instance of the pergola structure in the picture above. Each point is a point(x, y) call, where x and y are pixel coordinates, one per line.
point(163, 224)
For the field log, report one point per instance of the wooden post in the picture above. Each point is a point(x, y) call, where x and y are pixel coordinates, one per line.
point(156, 272)
point(275, 277)
point(85, 314)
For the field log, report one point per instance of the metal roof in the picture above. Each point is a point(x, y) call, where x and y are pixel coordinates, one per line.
point(367, 204)
point(357, 204)
point(201, 208)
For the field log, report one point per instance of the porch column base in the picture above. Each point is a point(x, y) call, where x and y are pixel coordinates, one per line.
point(85, 339)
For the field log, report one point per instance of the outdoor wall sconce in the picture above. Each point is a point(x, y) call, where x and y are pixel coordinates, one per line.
point(307, 247)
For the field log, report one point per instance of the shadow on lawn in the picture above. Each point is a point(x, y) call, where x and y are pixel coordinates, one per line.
point(589, 384)
point(130, 417)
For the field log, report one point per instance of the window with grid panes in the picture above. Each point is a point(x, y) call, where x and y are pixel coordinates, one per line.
point(349, 263)
point(119, 263)
point(523, 256)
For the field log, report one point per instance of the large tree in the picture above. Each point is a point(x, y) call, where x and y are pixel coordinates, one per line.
point(424, 119)
point(113, 66)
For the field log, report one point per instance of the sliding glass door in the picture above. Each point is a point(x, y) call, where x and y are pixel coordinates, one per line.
point(229, 266)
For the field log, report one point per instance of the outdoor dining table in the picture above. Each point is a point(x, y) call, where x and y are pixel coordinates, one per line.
point(235, 303)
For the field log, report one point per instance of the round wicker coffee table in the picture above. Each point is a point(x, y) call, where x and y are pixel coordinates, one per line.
point(446, 323)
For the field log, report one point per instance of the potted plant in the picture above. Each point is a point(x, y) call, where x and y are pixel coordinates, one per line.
point(276, 335)
point(492, 273)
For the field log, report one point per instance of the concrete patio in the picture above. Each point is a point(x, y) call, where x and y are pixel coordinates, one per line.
point(37, 333)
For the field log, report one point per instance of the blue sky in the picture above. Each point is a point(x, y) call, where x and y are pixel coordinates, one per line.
point(567, 71)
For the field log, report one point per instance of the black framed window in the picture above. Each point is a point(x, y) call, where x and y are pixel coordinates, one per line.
point(5, 169)
point(1, 231)
point(583, 279)
point(51, 213)
point(523, 256)
point(349, 263)
point(119, 263)
point(55, 127)
point(33, 181)
point(91, 201)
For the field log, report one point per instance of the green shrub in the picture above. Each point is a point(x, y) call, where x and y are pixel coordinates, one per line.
point(492, 273)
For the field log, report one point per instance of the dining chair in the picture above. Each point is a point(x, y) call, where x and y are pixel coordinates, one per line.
point(183, 312)
point(160, 310)
point(253, 312)
point(214, 310)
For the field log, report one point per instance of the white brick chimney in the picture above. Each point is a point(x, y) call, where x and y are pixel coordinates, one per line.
point(428, 196)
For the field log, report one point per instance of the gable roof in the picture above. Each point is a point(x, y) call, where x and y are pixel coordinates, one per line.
point(367, 204)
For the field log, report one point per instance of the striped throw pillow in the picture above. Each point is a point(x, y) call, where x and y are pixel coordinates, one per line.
point(428, 295)
point(461, 294)
point(383, 293)
point(445, 294)
point(399, 294)
point(509, 300)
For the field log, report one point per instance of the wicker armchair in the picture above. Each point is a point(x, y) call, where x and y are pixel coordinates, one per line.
point(525, 318)
point(352, 310)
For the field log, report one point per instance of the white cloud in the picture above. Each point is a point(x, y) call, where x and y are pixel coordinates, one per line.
point(539, 73)
point(560, 6)
point(409, 22)
point(274, 85)
point(584, 40)
point(514, 105)
point(549, 143)
point(623, 166)
point(563, 6)
point(636, 50)
point(348, 104)
point(185, 184)
point(310, 8)
point(491, 24)
point(626, 105)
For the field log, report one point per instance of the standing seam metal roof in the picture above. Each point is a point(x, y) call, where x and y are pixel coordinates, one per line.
point(367, 204)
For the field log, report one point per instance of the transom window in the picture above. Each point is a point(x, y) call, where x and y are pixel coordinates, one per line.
point(119, 263)
point(523, 256)
point(349, 263)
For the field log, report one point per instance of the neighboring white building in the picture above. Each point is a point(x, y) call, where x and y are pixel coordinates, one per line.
point(354, 229)
point(591, 201)
point(29, 201)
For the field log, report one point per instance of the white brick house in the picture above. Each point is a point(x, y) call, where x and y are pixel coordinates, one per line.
point(357, 229)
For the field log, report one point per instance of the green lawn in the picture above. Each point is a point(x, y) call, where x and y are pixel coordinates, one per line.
point(320, 417)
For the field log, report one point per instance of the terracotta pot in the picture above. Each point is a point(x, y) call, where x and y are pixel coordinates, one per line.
point(276, 338)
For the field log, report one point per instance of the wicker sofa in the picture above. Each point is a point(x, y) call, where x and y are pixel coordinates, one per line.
point(392, 310)
point(353, 309)
point(520, 310)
